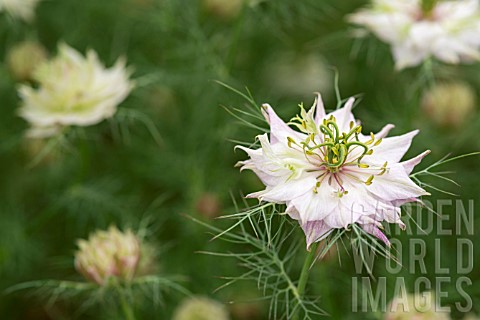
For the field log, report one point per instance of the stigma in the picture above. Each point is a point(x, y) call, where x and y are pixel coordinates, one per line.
point(332, 151)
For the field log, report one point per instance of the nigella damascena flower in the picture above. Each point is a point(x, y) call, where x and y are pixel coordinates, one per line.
point(330, 175)
point(73, 90)
point(23, 9)
point(109, 254)
point(420, 29)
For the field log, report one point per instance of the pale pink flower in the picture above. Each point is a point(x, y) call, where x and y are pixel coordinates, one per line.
point(330, 175)
point(447, 30)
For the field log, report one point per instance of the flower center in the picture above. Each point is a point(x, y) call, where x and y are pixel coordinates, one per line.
point(427, 11)
point(330, 149)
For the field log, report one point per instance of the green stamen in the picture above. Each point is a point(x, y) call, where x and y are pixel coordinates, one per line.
point(336, 146)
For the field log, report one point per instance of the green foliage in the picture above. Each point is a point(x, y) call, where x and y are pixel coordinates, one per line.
point(172, 141)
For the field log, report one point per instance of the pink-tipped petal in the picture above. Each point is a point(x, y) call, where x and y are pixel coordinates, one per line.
point(384, 132)
point(315, 231)
point(410, 164)
point(279, 130)
point(374, 231)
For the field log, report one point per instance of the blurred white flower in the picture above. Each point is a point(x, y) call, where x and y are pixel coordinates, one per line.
point(415, 307)
point(108, 254)
point(201, 308)
point(73, 90)
point(23, 58)
point(449, 104)
point(418, 30)
point(330, 175)
point(23, 9)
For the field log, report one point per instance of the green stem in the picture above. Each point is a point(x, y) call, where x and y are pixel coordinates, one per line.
point(126, 308)
point(302, 282)
point(428, 5)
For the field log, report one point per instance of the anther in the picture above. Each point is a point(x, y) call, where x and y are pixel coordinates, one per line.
point(369, 180)
point(290, 141)
point(377, 142)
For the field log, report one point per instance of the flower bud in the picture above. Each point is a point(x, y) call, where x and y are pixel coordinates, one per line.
point(144, 3)
point(449, 104)
point(208, 205)
point(160, 100)
point(200, 308)
point(246, 306)
point(108, 254)
point(418, 306)
point(295, 74)
point(23, 58)
point(224, 9)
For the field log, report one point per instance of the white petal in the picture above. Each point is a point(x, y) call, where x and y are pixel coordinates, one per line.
point(319, 109)
point(344, 115)
point(292, 211)
point(388, 26)
point(342, 217)
point(286, 191)
point(351, 208)
point(315, 231)
point(274, 164)
point(409, 165)
point(279, 130)
point(391, 149)
point(388, 211)
point(316, 206)
point(379, 135)
point(405, 56)
point(395, 185)
point(384, 132)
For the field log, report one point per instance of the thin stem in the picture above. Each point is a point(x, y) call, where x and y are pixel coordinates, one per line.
point(126, 308)
point(302, 282)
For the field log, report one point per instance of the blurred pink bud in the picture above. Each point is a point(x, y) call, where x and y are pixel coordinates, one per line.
point(108, 254)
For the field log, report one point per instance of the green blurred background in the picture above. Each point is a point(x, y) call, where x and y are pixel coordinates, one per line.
point(283, 51)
